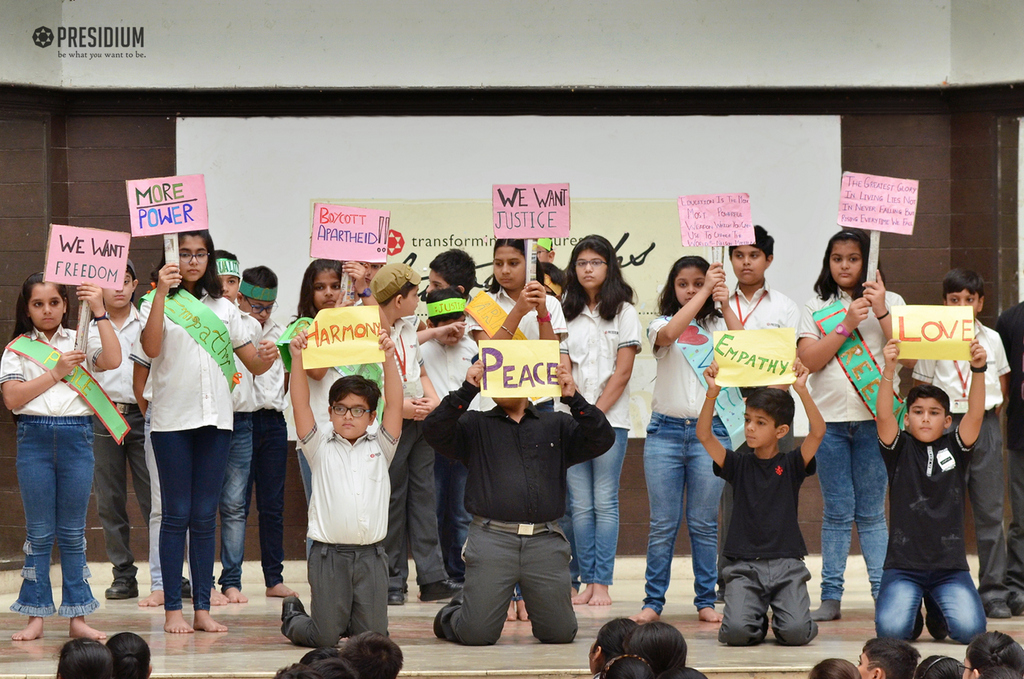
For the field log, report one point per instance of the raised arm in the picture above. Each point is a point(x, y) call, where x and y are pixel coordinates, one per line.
point(707, 413)
point(304, 420)
point(109, 356)
point(674, 328)
point(970, 425)
point(721, 296)
point(885, 419)
point(816, 353)
point(817, 423)
point(391, 420)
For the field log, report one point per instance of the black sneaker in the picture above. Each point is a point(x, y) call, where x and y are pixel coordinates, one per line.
point(124, 587)
point(997, 608)
point(290, 607)
point(396, 597)
point(934, 620)
point(1016, 602)
point(439, 591)
point(186, 589)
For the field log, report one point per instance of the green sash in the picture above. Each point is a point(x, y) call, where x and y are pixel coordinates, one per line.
point(79, 380)
point(286, 337)
point(205, 327)
point(857, 361)
point(697, 346)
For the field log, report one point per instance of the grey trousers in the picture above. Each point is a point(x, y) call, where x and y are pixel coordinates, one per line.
point(751, 587)
point(110, 483)
point(349, 595)
point(412, 512)
point(495, 562)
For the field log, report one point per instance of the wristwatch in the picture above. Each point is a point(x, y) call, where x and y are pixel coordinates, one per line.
point(841, 329)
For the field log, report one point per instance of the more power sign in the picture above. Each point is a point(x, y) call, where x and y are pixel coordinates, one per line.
point(93, 42)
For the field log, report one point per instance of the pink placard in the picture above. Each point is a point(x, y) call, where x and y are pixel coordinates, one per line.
point(877, 203)
point(167, 205)
point(349, 233)
point(716, 219)
point(530, 210)
point(76, 255)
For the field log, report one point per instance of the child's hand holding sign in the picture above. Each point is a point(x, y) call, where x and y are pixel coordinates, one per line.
point(565, 381)
point(979, 357)
point(709, 375)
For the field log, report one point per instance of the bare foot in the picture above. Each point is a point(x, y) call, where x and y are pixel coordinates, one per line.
point(204, 623)
point(235, 596)
point(521, 611)
point(511, 616)
point(78, 629)
point(709, 615)
point(601, 596)
point(34, 630)
point(154, 600)
point(584, 596)
point(281, 590)
point(174, 623)
point(645, 615)
point(218, 599)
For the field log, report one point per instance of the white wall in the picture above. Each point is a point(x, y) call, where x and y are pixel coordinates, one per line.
point(20, 60)
point(986, 41)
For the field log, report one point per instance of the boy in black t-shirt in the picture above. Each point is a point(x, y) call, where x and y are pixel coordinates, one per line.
point(764, 549)
point(927, 470)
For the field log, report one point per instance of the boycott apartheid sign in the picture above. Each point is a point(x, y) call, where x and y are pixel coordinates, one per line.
point(718, 219)
point(346, 336)
point(934, 332)
point(530, 210)
point(77, 255)
point(167, 205)
point(517, 368)
point(755, 358)
point(349, 233)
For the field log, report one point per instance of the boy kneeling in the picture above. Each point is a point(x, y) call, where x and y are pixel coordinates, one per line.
point(764, 549)
point(927, 470)
point(348, 508)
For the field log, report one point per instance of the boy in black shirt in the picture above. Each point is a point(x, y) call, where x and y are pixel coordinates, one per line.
point(927, 470)
point(764, 549)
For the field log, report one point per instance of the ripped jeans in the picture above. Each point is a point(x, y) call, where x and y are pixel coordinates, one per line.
point(55, 468)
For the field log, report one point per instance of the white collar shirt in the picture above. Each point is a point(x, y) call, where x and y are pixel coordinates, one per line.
point(950, 376)
point(60, 400)
point(243, 398)
point(448, 365)
point(270, 386)
point(677, 390)
point(117, 382)
point(767, 308)
point(408, 355)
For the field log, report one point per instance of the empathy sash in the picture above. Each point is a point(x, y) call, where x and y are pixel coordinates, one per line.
point(79, 380)
point(285, 339)
point(489, 314)
point(857, 361)
point(205, 327)
point(697, 346)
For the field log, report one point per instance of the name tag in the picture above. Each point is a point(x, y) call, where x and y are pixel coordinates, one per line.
point(958, 406)
point(945, 460)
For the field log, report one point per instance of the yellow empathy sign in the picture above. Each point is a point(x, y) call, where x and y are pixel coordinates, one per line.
point(934, 332)
point(755, 358)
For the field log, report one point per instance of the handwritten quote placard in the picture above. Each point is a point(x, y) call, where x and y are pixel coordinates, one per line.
point(530, 210)
point(167, 205)
point(77, 255)
point(717, 219)
point(935, 332)
point(514, 368)
point(349, 233)
point(887, 204)
point(346, 336)
point(755, 358)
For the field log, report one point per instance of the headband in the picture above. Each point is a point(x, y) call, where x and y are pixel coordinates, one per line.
point(228, 267)
point(555, 287)
point(453, 305)
point(254, 291)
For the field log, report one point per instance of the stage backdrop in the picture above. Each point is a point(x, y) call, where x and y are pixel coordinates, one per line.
point(435, 175)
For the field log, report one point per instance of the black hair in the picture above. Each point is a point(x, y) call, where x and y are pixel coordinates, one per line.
point(316, 267)
point(85, 659)
point(668, 303)
point(939, 667)
point(691, 673)
point(826, 286)
point(260, 276)
point(928, 391)
point(435, 296)
point(998, 672)
point(627, 667)
point(897, 658)
point(611, 636)
point(131, 656)
point(834, 668)
point(957, 280)
point(297, 671)
point(402, 292)
point(22, 322)
point(776, 403)
point(762, 241)
point(319, 654)
point(356, 385)
point(209, 282)
point(374, 655)
point(659, 643)
point(457, 268)
point(334, 668)
point(518, 244)
point(615, 291)
point(549, 270)
point(995, 648)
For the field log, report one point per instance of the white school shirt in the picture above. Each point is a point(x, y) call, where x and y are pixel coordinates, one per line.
point(677, 391)
point(117, 382)
point(60, 400)
point(189, 389)
point(139, 356)
point(831, 389)
point(243, 398)
point(270, 385)
point(943, 374)
point(768, 308)
point(448, 365)
point(350, 492)
point(409, 356)
point(528, 325)
point(593, 346)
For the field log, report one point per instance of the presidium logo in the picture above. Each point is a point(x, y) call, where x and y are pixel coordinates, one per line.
point(42, 37)
point(93, 37)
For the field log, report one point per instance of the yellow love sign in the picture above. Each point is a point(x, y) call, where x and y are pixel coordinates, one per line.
point(934, 332)
point(347, 336)
point(514, 368)
point(755, 358)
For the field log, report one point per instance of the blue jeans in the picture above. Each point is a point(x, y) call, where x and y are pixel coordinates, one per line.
point(674, 461)
point(191, 463)
point(853, 482)
point(452, 518)
point(232, 503)
point(594, 491)
point(55, 467)
point(899, 601)
point(267, 473)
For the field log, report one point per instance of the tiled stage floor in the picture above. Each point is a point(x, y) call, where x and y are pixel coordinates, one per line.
point(254, 647)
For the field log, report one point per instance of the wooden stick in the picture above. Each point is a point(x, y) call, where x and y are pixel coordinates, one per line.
point(531, 261)
point(718, 255)
point(84, 319)
point(876, 237)
point(171, 249)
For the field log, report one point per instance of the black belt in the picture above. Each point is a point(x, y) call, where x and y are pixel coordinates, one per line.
point(125, 408)
point(516, 528)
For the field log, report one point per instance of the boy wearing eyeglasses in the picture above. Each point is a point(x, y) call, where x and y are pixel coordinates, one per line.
point(348, 506)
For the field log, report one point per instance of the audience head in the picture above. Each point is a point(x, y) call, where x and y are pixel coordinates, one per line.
point(888, 659)
point(85, 659)
point(131, 656)
point(627, 667)
point(998, 672)
point(660, 644)
point(319, 654)
point(373, 655)
point(993, 649)
point(609, 641)
point(685, 673)
point(939, 667)
point(334, 668)
point(297, 671)
point(834, 668)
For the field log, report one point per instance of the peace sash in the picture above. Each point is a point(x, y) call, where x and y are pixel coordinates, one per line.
point(80, 381)
point(205, 327)
point(697, 346)
point(857, 361)
point(489, 314)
